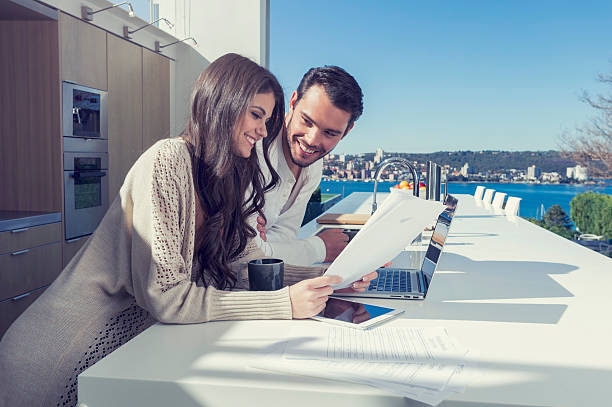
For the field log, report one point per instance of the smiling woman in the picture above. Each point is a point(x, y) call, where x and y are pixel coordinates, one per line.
point(172, 248)
point(252, 127)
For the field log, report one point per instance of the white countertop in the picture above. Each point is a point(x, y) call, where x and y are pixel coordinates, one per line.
point(534, 307)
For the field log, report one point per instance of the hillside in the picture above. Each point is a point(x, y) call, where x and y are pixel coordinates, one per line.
point(481, 161)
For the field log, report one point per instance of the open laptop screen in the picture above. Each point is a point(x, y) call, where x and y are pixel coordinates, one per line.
point(435, 245)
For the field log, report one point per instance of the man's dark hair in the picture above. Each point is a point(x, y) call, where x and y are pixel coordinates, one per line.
point(341, 88)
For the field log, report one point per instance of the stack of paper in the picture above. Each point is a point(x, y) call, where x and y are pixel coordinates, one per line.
point(424, 364)
point(394, 225)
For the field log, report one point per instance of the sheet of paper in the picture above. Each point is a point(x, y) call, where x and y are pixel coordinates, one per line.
point(383, 344)
point(399, 219)
point(408, 380)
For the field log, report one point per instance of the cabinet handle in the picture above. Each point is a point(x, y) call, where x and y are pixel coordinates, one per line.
point(20, 252)
point(19, 230)
point(20, 296)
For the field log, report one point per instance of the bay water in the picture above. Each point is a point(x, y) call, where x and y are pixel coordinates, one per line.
point(534, 197)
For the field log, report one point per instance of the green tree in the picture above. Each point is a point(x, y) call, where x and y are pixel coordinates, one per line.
point(556, 216)
point(556, 220)
point(592, 213)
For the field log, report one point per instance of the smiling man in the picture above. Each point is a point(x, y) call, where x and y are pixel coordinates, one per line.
point(322, 111)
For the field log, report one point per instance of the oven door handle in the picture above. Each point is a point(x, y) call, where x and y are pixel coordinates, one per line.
point(79, 174)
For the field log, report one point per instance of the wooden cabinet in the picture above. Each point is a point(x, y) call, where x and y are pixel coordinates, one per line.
point(30, 259)
point(83, 52)
point(12, 308)
point(155, 98)
point(28, 269)
point(124, 109)
point(30, 132)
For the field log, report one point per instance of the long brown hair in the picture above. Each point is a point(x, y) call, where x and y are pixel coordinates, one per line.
point(221, 179)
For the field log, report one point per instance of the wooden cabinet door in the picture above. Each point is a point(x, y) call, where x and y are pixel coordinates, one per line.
point(124, 109)
point(83, 52)
point(30, 131)
point(155, 98)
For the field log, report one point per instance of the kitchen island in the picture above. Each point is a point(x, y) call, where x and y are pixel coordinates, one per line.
point(531, 305)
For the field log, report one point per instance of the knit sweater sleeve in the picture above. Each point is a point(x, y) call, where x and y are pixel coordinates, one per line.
point(162, 250)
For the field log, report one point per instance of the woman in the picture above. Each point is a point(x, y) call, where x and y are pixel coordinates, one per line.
point(170, 248)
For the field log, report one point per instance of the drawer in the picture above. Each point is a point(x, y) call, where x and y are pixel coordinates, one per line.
point(34, 268)
point(11, 309)
point(20, 239)
point(70, 248)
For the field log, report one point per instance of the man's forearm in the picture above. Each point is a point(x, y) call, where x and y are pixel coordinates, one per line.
point(301, 252)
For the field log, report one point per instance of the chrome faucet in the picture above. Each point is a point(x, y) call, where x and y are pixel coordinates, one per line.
point(385, 164)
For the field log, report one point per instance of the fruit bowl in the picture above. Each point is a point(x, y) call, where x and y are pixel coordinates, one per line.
point(407, 185)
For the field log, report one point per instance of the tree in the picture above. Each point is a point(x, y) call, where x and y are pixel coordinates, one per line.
point(591, 145)
point(592, 213)
point(556, 216)
point(556, 220)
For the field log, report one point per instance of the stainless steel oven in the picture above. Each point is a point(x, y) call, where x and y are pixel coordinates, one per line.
point(85, 131)
point(84, 111)
point(85, 185)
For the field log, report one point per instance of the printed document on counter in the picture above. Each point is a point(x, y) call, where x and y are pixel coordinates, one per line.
point(424, 364)
point(396, 223)
point(383, 344)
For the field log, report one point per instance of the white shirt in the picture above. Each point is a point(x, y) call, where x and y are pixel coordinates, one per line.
point(285, 208)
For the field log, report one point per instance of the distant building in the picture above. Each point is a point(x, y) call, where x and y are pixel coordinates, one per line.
point(379, 155)
point(342, 158)
point(465, 170)
point(551, 176)
point(533, 172)
point(578, 172)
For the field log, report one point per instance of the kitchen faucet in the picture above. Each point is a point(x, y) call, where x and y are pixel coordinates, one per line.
point(391, 161)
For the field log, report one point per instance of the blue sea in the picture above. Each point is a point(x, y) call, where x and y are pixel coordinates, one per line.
point(534, 196)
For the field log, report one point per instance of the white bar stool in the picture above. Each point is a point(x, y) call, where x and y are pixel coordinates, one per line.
point(488, 195)
point(513, 206)
point(498, 201)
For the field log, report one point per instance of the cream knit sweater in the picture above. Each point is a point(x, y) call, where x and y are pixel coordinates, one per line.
point(137, 268)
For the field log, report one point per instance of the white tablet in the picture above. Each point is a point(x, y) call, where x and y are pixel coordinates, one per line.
point(355, 314)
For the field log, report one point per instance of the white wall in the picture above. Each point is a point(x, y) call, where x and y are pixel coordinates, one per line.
point(221, 26)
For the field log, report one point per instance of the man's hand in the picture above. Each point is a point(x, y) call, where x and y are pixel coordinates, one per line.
point(261, 227)
point(335, 241)
point(360, 285)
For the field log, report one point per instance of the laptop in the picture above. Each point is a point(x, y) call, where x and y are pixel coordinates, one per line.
point(412, 284)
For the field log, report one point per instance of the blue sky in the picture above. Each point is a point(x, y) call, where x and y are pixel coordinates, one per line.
point(451, 75)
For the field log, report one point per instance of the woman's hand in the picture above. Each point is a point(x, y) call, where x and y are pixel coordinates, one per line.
point(308, 297)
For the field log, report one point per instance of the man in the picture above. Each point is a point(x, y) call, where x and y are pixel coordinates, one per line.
point(322, 111)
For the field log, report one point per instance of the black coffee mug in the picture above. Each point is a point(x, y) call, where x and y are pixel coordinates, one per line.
point(266, 274)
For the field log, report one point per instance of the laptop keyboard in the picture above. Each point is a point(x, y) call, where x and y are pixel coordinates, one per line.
point(393, 280)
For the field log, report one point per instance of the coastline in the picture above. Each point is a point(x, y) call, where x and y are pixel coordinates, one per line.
point(599, 182)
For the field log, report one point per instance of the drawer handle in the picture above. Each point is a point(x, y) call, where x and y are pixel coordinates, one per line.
point(20, 252)
point(20, 296)
point(19, 230)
